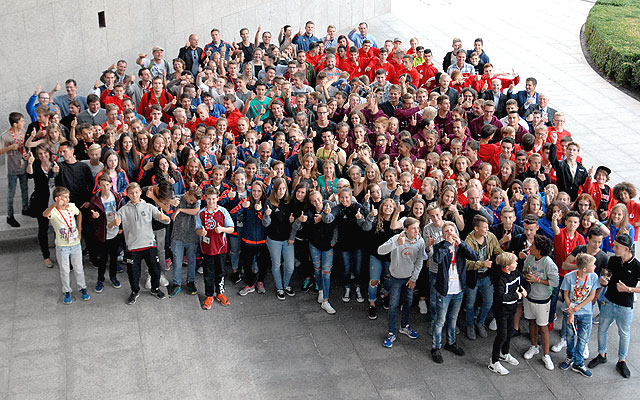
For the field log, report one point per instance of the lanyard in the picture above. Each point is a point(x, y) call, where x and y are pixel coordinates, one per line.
point(209, 218)
point(68, 223)
point(20, 142)
point(328, 190)
point(578, 281)
point(455, 254)
point(330, 154)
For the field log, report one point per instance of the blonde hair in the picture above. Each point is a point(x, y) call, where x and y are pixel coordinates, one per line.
point(506, 259)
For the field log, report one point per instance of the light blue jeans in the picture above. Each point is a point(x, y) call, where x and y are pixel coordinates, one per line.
point(66, 257)
point(485, 287)
point(577, 343)
point(179, 250)
point(447, 308)
point(279, 251)
point(322, 263)
point(234, 250)
point(11, 191)
point(623, 317)
point(378, 270)
point(433, 298)
point(397, 286)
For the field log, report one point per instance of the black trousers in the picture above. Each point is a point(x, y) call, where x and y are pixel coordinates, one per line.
point(504, 319)
point(301, 251)
point(134, 259)
point(213, 268)
point(108, 256)
point(247, 254)
point(43, 236)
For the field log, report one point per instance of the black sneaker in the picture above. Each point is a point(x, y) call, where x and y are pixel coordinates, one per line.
point(12, 222)
point(454, 349)
point(597, 361)
point(158, 293)
point(280, 294)
point(385, 302)
point(373, 312)
point(516, 333)
point(132, 298)
point(191, 288)
point(621, 367)
point(235, 277)
point(437, 356)
point(289, 291)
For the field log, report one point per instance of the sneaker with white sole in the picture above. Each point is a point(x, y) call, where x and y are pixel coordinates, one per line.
point(388, 342)
point(320, 297)
point(498, 368)
point(556, 348)
point(347, 295)
point(163, 281)
point(409, 332)
point(327, 307)
point(246, 290)
point(548, 364)
point(359, 297)
point(508, 358)
point(566, 364)
point(422, 306)
point(533, 350)
point(582, 370)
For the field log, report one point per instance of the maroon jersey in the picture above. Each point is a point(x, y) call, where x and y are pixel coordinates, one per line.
point(214, 243)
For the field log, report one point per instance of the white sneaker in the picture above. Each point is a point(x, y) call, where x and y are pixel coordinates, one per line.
point(585, 354)
point(559, 346)
point(163, 281)
point(548, 364)
point(493, 325)
point(200, 270)
point(422, 305)
point(347, 295)
point(498, 368)
point(147, 284)
point(359, 297)
point(533, 350)
point(509, 359)
point(320, 296)
point(327, 307)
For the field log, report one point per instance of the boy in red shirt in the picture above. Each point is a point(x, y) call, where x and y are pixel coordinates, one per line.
point(213, 223)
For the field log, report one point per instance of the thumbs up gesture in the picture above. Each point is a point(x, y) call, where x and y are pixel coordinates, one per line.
point(267, 210)
point(258, 206)
point(246, 203)
point(327, 209)
point(358, 214)
point(94, 214)
point(56, 168)
point(401, 239)
point(374, 212)
point(303, 218)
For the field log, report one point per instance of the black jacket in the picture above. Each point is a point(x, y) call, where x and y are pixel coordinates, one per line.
point(566, 182)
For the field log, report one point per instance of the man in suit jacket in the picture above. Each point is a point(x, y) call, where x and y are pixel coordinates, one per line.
point(547, 113)
point(498, 98)
point(93, 115)
point(569, 172)
point(192, 54)
point(527, 97)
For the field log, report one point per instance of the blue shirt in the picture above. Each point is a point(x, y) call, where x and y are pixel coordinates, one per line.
point(357, 39)
point(218, 49)
point(578, 292)
point(304, 40)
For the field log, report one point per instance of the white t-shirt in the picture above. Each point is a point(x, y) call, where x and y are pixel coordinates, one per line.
point(65, 226)
point(110, 209)
point(454, 279)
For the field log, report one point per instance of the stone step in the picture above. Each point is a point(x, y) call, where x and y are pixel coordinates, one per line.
point(28, 228)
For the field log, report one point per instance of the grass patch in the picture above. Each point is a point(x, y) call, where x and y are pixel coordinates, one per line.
point(612, 33)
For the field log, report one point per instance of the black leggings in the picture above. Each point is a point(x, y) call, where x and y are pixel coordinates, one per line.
point(301, 249)
point(247, 254)
point(213, 268)
point(504, 320)
point(43, 236)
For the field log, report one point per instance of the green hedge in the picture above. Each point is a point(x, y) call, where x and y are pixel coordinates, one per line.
point(612, 33)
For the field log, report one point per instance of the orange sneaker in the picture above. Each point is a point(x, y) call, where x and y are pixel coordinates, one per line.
point(223, 299)
point(207, 303)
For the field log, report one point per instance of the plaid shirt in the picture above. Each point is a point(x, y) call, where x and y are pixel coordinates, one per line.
point(466, 69)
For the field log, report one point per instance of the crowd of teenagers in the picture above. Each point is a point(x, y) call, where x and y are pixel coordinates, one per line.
point(309, 155)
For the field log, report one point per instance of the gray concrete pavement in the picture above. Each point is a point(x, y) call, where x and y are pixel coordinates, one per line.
point(263, 348)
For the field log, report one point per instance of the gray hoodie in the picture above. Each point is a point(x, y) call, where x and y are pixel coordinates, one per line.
point(407, 258)
point(136, 224)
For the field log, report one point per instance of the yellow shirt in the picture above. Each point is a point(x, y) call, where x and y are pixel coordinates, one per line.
point(65, 225)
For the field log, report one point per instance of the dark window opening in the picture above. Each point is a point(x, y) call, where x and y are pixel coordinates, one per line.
point(102, 22)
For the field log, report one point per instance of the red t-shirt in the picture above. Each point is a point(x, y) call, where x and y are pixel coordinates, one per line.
point(214, 243)
point(563, 246)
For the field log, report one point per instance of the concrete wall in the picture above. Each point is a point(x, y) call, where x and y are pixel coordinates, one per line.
point(47, 41)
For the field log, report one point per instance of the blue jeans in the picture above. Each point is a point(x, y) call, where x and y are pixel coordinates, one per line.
point(11, 192)
point(378, 270)
point(576, 345)
point(234, 250)
point(322, 263)
point(447, 308)
point(485, 287)
point(397, 285)
point(432, 295)
point(554, 303)
point(352, 261)
point(180, 249)
point(279, 250)
point(623, 316)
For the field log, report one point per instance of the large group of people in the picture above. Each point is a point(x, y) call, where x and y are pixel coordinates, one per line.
point(306, 155)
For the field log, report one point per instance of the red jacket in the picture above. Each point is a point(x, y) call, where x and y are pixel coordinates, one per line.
point(355, 71)
point(426, 71)
point(375, 65)
point(414, 74)
point(210, 121)
point(148, 99)
point(232, 121)
point(478, 85)
point(106, 99)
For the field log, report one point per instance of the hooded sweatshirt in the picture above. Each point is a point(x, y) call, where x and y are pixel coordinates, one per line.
point(136, 223)
point(406, 258)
